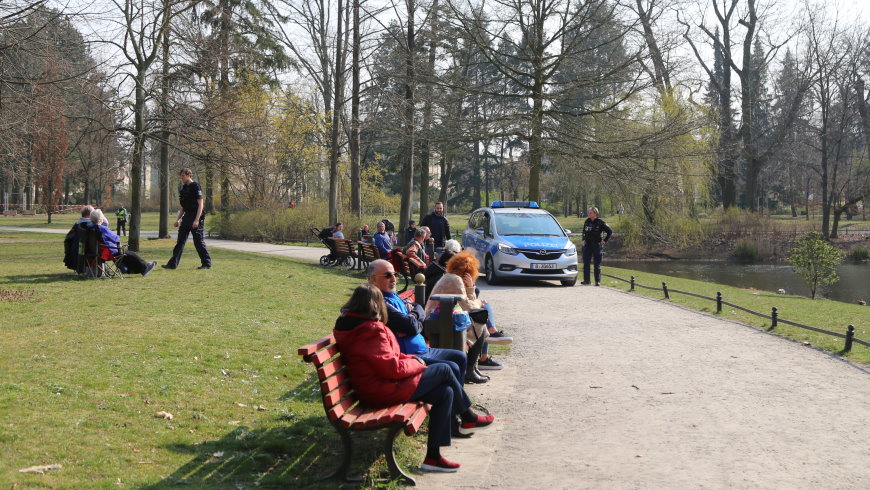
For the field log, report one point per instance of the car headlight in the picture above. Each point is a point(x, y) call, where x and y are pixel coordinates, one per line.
point(507, 250)
point(571, 251)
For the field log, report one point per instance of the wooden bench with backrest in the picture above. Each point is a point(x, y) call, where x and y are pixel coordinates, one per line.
point(347, 414)
point(343, 250)
point(368, 253)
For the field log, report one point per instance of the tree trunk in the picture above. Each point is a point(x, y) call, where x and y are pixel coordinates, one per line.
point(136, 167)
point(163, 176)
point(338, 106)
point(355, 177)
point(408, 151)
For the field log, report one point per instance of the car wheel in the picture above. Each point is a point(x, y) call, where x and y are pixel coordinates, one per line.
point(491, 277)
point(569, 282)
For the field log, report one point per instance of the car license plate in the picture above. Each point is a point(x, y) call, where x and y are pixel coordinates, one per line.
point(543, 266)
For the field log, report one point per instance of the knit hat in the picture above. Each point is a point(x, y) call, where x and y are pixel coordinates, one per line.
point(453, 246)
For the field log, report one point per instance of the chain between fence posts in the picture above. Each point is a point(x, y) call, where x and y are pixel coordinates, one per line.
point(850, 334)
point(773, 317)
point(665, 289)
point(632, 284)
point(718, 302)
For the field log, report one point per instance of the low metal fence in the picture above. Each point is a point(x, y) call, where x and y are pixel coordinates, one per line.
point(774, 318)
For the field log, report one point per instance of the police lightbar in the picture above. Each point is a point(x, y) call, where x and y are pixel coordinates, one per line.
point(514, 204)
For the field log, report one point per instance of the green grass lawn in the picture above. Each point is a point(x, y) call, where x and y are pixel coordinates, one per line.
point(86, 364)
point(149, 221)
point(830, 315)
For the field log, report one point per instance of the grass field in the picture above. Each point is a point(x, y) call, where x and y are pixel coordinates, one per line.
point(829, 315)
point(86, 365)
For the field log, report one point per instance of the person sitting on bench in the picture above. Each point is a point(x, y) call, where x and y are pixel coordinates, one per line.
point(382, 376)
point(131, 261)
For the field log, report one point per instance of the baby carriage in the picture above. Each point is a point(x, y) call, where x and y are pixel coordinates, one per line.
point(331, 258)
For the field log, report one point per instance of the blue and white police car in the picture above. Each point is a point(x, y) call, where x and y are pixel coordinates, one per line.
point(519, 240)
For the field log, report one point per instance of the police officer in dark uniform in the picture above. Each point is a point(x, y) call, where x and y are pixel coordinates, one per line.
point(593, 244)
point(191, 219)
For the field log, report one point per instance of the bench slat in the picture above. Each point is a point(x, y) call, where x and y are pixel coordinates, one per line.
point(333, 382)
point(320, 357)
point(350, 416)
point(331, 398)
point(416, 419)
point(326, 370)
point(339, 410)
point(307, 350)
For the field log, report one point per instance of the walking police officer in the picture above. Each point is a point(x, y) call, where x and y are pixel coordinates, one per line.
point(593, 244)
point(191, 220)
point(121, 215)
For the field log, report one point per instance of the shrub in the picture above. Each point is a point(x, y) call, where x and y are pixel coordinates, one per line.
point(746, 250)
point(815, 260)
point(860, 254)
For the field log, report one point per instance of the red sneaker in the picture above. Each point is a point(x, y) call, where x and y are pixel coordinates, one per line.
point(440, 465)
point(482, 422)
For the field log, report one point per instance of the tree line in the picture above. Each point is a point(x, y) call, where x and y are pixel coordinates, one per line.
point(668, 109)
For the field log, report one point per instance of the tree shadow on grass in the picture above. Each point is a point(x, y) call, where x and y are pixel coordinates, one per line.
point(42, 278)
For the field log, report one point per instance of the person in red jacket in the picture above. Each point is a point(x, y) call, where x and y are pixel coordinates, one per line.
point(382, 376)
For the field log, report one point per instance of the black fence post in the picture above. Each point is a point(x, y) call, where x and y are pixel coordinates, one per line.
point(665, 289)
point(773, 317)
point(850, 334)
point(718, 302)
point(632, 284)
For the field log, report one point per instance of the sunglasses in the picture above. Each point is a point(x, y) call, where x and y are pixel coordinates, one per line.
point(389, 275)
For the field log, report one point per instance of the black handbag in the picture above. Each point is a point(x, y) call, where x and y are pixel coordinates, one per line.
point(479, 315)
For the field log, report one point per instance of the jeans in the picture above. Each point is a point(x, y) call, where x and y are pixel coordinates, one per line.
point(440, 387)
point(592, 252)
point(455, 359)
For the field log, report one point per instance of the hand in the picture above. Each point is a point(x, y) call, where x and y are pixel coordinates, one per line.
point(466, 278)
point(601, 243)
point(195, 224)
point(177, 222)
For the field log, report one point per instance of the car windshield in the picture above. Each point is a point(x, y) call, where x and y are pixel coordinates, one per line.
point(526, 224)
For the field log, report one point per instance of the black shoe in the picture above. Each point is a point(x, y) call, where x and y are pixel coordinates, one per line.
point(585, 283)
point(472, 378)
point(597, 283)
point(167, 266)
point(204, 267)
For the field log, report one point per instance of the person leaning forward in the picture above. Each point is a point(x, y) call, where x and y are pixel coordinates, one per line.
point(190, 220)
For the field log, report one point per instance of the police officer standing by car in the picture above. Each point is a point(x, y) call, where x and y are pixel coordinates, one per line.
point(593, 244)
point(191, 219)
point(121, 215)
point(438, 225)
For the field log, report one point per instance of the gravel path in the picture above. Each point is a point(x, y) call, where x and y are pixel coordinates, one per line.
point(607, 389)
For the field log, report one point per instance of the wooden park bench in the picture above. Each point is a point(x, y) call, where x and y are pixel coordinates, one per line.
point(343, 251)
point(347, 414)
point(368, 253)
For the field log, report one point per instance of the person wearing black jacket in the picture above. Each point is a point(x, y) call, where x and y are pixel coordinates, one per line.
point(438, 225)
point(593, 244)
point(190, 221)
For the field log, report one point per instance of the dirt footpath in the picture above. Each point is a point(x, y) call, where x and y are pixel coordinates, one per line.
point(606, 389)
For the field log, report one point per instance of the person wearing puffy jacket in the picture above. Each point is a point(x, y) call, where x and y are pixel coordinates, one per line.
point(382, 376)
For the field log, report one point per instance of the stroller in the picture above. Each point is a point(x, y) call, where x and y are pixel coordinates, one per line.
point(331, 258)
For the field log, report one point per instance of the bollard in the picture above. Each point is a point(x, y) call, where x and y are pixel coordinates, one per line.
point(632, 284)
point(773, 317)
point(718, 302)
point(665, 289)
point(850, 334)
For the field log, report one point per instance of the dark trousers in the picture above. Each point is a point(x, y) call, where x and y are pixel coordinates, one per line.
point(456, 359)
point(122, 225)
point(440, 388)
point(592, 253)
point(185, 229)
point(132, 262)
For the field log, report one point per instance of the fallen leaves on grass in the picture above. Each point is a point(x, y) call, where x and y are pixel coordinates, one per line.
point(163, 415)
point(41, 469)
point(13, 295)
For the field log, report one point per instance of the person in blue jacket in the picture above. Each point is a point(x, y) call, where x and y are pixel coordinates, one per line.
point(382, 240)
point(131, 261)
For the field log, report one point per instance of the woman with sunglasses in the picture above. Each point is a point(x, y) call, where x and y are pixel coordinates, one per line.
point(382, 376)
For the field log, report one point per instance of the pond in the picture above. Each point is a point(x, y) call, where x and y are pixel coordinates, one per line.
point(854, 278)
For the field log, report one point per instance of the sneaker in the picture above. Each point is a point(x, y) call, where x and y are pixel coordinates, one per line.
point(151, 265)
point(499, 338)
point(482, 422)
point(440, 465)
point(204, 267)
point(167, 266)
point(489, 364)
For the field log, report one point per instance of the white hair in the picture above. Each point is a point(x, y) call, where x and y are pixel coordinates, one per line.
point(97, 216)
point(453, 246)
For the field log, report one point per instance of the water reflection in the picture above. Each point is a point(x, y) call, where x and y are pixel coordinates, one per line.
point(854, 278)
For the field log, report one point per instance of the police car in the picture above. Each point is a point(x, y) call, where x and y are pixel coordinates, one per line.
point(519, 240)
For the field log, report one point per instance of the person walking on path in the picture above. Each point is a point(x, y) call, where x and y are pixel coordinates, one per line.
point(593, 244)
point(121, 215)
point(438, 225)
point(191, 219)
